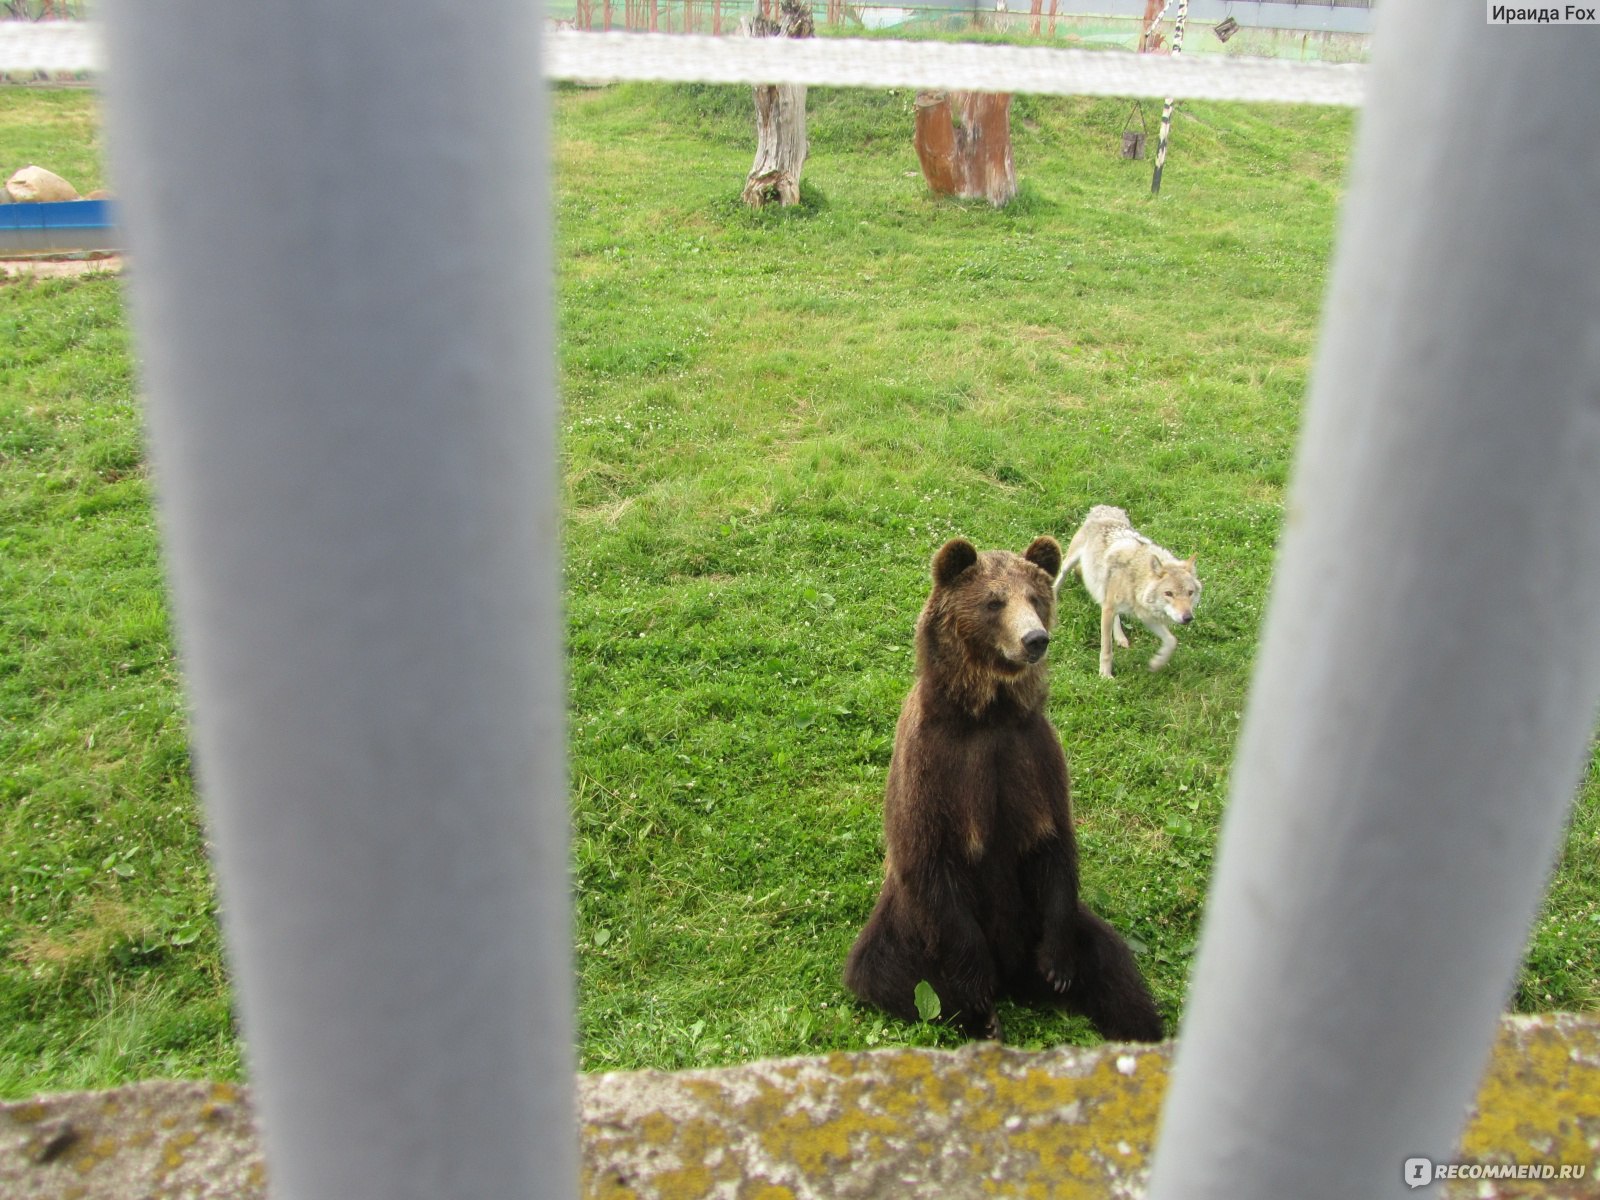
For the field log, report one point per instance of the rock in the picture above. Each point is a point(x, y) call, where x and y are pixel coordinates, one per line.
point(35, 185)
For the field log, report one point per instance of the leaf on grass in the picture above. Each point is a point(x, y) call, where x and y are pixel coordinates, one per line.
point(927, 1000)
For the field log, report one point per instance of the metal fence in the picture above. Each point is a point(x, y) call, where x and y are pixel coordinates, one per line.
point(353, 430)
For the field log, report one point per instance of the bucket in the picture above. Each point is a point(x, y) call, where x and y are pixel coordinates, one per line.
point(1133, 140)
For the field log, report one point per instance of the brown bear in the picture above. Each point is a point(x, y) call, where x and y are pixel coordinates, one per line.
point(980, 890)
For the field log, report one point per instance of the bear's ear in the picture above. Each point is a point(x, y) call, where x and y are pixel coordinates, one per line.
point(1045, 553)
point(954, 557)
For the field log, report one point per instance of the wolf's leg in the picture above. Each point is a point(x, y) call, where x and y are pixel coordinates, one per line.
point(1122, 638)
point(1168, 644)
point(1108, 625)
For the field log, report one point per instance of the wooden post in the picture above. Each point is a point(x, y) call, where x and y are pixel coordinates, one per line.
point(780, 116)
point(969, 158)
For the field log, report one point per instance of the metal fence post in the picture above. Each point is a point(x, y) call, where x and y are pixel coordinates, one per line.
point(338, 218)
point(1428, 679)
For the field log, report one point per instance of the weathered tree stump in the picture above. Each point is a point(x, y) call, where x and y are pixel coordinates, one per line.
point(963, 141)
point(780, 116)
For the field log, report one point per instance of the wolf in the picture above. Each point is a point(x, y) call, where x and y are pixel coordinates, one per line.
point(1125, 572)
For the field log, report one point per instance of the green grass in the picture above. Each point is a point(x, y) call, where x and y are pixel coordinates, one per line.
point(772, 420)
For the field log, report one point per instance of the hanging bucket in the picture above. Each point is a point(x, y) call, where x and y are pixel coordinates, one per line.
point(1133, 140)
point(1225, 28)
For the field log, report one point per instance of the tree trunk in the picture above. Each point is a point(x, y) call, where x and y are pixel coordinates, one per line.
point(970, 158)
point(780, 117)
point(1149, 35)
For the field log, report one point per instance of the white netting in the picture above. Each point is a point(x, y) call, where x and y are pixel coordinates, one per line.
point(71, 46)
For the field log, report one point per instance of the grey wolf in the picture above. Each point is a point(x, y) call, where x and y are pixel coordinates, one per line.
point(1126, 573)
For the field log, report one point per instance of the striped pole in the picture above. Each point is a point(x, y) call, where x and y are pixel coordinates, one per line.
point(1166, 109)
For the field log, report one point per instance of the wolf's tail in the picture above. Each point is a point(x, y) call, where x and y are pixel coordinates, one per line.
point(1073, 558)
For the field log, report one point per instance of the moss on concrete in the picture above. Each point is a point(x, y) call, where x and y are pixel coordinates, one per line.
point(979, 1122)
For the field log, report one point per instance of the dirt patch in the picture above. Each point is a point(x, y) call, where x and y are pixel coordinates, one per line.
point(58, 268)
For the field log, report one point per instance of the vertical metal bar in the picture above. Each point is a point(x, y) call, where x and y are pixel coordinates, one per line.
point(1166, 109)
point(338, 217)
point(1428, 680)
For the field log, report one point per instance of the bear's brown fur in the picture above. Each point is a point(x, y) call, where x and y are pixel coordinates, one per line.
point(980, 890)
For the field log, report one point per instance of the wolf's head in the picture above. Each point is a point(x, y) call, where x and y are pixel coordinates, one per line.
point(1173, 590)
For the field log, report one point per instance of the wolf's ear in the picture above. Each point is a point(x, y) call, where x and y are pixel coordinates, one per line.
point(1190, 563)
point(954, 557)
point(1045, 553)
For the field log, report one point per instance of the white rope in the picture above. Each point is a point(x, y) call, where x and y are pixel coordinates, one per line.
point(842, 62)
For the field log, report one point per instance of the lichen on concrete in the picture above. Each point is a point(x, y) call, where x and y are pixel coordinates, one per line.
point(978, 1122)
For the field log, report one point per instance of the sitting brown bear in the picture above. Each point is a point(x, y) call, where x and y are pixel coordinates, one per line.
point(980, 890)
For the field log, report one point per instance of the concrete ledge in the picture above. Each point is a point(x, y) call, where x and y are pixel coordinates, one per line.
point(979, 1122)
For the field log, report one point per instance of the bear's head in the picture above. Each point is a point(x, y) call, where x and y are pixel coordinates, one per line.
point(986, 625)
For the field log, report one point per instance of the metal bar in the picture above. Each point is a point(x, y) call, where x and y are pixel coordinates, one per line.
point(1427, 686)
point(344, 312)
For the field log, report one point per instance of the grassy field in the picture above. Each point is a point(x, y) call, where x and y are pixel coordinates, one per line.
point(771, 423)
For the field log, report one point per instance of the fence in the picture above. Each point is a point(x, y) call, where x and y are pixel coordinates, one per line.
point(353, 425)
point(1032, 17)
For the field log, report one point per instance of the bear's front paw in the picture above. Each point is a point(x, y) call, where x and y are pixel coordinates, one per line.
point(1057, 972)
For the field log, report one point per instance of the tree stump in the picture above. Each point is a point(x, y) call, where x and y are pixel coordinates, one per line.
point(963, 141)
point(780, 116)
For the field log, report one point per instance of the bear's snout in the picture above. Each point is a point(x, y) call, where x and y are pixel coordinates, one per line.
point(1035, 643)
